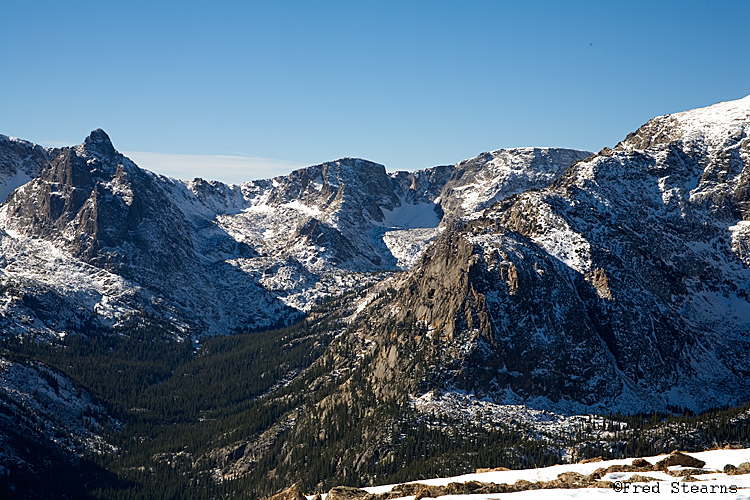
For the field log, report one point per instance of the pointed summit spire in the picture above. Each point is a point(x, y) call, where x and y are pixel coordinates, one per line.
point(98, 142)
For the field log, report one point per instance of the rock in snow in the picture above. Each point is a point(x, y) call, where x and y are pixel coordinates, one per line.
point(549, 482)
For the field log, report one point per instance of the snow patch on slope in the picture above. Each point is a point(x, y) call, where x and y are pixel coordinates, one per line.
point(407, 215)
point(468, 408)
point(408, 245)
point(715, 123)
point(31, 262)
point(715, 461)
point(9, 184)
point(479, 182)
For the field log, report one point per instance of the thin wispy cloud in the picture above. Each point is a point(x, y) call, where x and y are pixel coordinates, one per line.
point(225, 168)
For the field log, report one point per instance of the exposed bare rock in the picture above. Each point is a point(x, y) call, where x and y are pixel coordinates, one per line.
point(601, 471)
point(291, 493)
point(348, 493)
point(565, 480)
point(637, 478)
point(492, 469)
point(743, 468)
point(678, 458)
point(689, 472)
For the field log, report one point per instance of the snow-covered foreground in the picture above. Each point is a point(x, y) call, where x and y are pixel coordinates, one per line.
point(666, 486)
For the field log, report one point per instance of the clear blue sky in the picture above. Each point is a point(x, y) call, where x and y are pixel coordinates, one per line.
point(406, 84)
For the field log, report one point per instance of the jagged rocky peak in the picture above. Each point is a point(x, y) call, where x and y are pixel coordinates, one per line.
point(97, 204)
point(98, 143)
point(87, 164)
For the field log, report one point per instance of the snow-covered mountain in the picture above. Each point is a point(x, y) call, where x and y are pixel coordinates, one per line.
point(624, 285)
point(92, 238)
point(532, 279)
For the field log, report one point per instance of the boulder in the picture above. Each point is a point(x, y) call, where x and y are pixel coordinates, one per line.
point(492, 469)
point(348, 493)
point(291, 493)
point(637, 478)
point(743, 468)
point(679, 458)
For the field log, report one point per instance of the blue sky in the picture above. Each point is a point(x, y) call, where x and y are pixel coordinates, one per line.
point(244, 90)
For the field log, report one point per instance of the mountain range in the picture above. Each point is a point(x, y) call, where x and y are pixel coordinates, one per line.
point(542, 279)
point(213, 258)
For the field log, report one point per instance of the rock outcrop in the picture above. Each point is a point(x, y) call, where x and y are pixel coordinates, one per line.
point(679, 458)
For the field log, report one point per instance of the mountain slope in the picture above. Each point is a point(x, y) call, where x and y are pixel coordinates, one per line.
point(622, 286)
point(47, 424)
point(115, 224)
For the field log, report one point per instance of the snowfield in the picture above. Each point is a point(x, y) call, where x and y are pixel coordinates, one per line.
point(664, 486)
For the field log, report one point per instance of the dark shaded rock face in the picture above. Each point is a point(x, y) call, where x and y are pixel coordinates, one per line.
point(103, 209)
point(514, 321)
